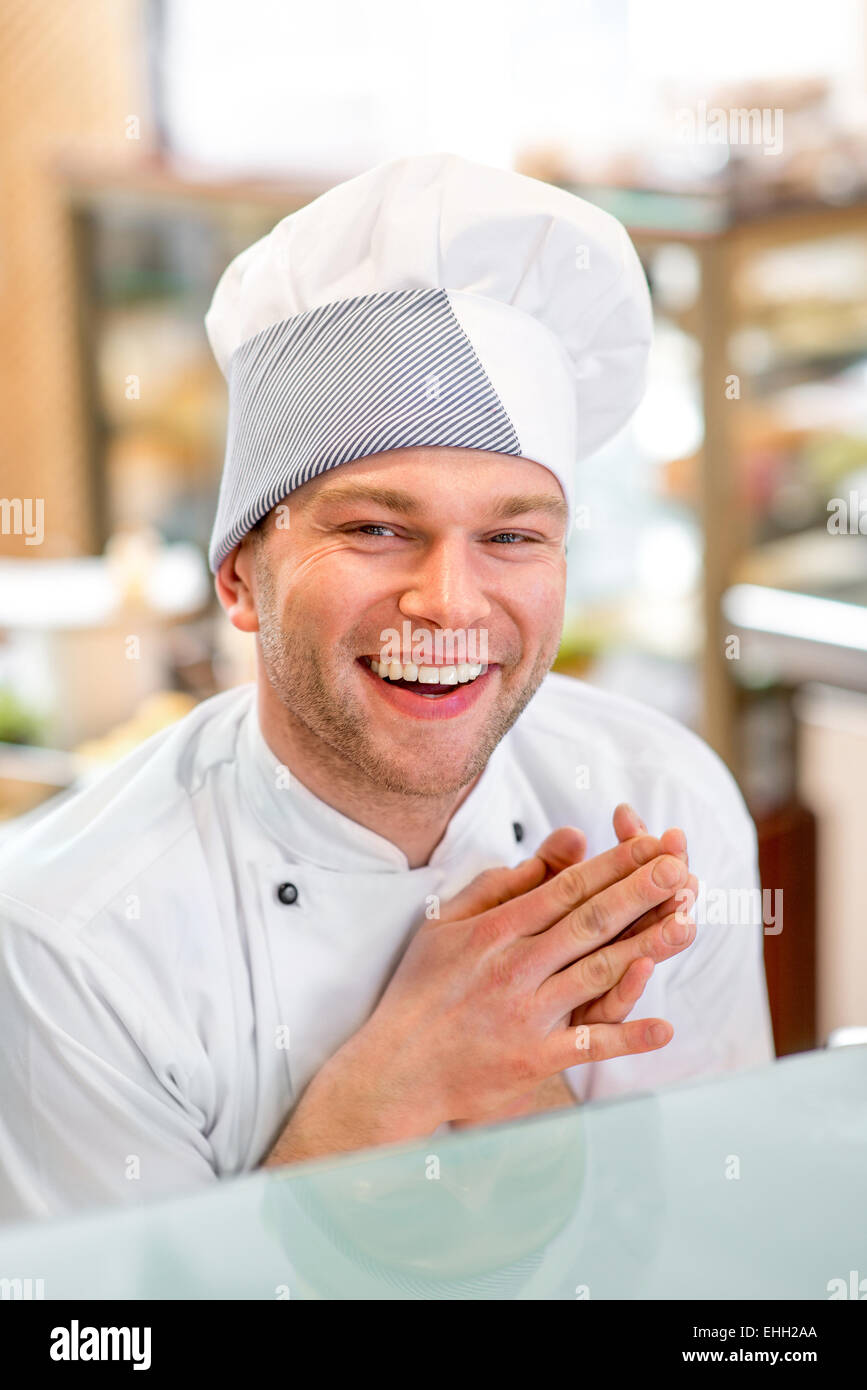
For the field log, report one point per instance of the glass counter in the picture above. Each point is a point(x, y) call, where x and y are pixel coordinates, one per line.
point(751, 1185)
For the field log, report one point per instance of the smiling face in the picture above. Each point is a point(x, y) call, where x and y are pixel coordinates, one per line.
point(408, 560)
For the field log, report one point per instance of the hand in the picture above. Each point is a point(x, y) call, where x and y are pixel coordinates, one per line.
point(616, 1003)
point(490, 1000)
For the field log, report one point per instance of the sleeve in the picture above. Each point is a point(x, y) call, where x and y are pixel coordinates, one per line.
point(718, 989)
point(94, 1096)
point(714, 993)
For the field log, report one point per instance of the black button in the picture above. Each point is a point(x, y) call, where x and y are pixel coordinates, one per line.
point(518, 829)
point(287, 893)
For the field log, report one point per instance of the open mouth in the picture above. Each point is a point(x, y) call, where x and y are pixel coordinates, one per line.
point(431, 682)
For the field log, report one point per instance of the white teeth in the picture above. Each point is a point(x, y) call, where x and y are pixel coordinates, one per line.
point(426, 675)
point(439, 675)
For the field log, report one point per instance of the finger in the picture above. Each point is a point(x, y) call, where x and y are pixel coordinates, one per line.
point(674, 841)
point(559, 895)
point(492, 887)
point(682, 901)
point(603, 915)
point(617, 1003)
point(671, 842)
point(563, 847)
point(602, 970)
point(599, 1042)
point(627, 822)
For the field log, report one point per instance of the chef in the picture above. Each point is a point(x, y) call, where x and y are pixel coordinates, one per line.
point(407, 879)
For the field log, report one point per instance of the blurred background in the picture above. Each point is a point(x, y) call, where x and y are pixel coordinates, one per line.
point(722, 572)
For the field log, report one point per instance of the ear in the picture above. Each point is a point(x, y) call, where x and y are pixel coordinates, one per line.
point(235, 588)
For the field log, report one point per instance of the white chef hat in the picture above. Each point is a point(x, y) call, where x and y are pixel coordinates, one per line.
point(429, 301)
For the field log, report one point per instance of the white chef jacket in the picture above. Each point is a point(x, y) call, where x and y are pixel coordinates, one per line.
point(162, 1009)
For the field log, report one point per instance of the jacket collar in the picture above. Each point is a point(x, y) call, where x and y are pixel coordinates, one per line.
point(307, 829)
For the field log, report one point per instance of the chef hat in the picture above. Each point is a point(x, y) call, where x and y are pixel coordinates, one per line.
point(429, 301)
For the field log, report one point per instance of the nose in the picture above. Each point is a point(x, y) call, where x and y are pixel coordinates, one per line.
point(444, 589)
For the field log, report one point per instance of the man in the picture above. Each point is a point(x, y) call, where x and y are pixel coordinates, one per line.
point(367, 899)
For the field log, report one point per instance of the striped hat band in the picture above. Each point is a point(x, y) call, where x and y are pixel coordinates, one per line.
point(389, 370)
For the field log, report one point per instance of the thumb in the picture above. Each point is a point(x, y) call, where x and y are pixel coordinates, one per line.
point(564, 846)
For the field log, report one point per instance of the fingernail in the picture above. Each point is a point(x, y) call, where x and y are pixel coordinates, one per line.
point(675, 932)
point(656, 1034)
point(681, 853)
point(636, 817)
point(667, 872)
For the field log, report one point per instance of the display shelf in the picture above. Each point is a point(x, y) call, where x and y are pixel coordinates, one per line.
point(153, 239)
point(725, 246)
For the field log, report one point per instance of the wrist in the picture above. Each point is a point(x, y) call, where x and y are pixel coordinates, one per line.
point(378, 1092)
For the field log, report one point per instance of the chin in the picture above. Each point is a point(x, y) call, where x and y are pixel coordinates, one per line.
point(440, 776)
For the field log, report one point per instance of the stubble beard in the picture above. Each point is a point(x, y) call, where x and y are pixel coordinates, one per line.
point(312, 700)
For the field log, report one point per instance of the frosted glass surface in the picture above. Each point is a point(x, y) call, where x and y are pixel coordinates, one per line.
point(752, 1185)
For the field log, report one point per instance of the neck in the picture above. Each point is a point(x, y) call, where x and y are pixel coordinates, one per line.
point(415, 824)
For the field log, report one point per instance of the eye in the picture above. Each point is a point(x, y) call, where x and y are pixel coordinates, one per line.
point(511, 537)
point(377, 528)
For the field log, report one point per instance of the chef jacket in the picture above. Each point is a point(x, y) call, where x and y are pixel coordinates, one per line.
point(186, 940)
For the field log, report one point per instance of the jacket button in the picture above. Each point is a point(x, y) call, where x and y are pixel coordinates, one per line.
point(518, 829)
point(287, 893)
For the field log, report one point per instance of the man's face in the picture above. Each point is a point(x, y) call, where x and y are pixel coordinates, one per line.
point(428, 555)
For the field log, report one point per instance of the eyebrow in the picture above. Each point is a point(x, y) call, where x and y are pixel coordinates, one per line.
point(396, 501)
point(531, 502)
